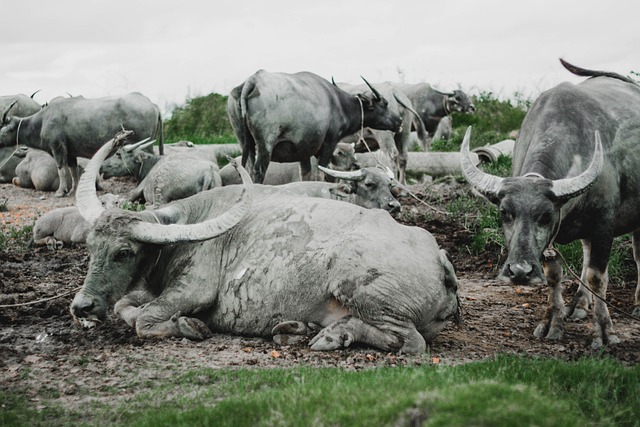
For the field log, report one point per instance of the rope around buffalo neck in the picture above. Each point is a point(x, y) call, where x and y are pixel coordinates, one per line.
point(445, 105)
point(381, 166)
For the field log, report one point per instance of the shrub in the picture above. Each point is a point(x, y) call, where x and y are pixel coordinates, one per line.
point(202, 120)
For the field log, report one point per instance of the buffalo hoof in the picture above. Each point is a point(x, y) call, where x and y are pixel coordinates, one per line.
point(291, 327)
point(191, 328)
point(550, 333)
point(579, 314)
point(330, 340)
point(598, 343)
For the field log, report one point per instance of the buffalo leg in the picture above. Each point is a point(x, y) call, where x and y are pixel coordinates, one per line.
point(636, 256)
point(263, 158)
point(597, 279)
point(603, 326)
point(342, 333)
point(162, 317)
point(305, 169)
point(60, 156)
point(552, 325)
point(582, 301)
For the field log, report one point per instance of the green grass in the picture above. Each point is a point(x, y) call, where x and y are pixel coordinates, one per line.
point(506, 391)
point(20, 236)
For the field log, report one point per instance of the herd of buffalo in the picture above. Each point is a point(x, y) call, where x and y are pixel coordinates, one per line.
point(294, 237)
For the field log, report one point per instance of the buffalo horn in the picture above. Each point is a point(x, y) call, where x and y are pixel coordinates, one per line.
point(375, 92)
point(567, 188)
point(485, 183)
point(176, 233)
point(348, 175)
point(138, 145)
point(86, 198)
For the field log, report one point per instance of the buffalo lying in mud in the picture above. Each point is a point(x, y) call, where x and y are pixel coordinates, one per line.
point(254, 260)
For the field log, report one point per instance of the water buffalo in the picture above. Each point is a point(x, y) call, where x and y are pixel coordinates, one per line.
point(60, 227)
point(18, 106)
point(175, 177)
point(10, 157)
point(433, 105)
point(292, 117)
point(135, 160)
point(72, 127)
point(38, 170)
point(255, 260)
point(343, 159)
point(562, 189)
point(395, 144)
point(368, 187)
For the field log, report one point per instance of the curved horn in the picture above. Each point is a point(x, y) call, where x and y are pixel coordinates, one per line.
point(487, 184)
point(34, 93)
point(348, 175)
point(375, 92)
point(333, 82)
point(567, 188)
point(6, 111)
point(141, 145)
point(86, 198)
point(176, 233)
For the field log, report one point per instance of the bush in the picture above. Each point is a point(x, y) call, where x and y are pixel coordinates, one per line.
point(202, 120)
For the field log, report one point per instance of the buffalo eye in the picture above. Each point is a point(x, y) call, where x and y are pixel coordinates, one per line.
point(123, 255)
point(506, 215)
point(544, 219)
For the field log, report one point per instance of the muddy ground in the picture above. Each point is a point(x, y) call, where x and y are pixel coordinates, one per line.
point(42, 351)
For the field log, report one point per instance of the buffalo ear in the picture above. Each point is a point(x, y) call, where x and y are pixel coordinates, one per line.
point(367, 103)
point(341, 190)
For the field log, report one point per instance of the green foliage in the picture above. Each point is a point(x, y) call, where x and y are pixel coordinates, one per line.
point(492, 122)
point(621, 263)
point(505, 391)
point(203, 120)
point(18, 236)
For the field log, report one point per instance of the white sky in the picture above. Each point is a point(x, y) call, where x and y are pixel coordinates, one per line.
point(172, 50)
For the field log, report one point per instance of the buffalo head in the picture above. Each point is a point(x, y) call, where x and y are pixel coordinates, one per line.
point(529, 208)
point(460, 102)
point(127, 246)
point(376, 112)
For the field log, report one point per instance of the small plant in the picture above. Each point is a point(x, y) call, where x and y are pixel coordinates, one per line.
point(4, 204)
point(133, 206)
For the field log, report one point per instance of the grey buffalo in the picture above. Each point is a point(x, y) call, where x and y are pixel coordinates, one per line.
point(576, 175)
point(256, 261)
point(395, 144)
point(10, 157)
point(18, 106)
point(175, 177)
point(292, 117)
point(38, 170)
point(368, 187)
point(72, 127)
point(343, 159)
point(60, 227)
point(135, 160)
point(433, 105)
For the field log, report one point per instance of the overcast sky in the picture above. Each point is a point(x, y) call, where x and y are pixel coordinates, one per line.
point(173, 50)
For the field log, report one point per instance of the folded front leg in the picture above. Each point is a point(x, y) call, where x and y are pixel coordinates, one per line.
point(342, 333)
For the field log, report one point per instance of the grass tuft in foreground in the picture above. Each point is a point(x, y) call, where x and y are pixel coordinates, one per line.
point(506, 391)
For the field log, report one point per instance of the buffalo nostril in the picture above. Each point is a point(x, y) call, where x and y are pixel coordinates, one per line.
point(83, 308)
